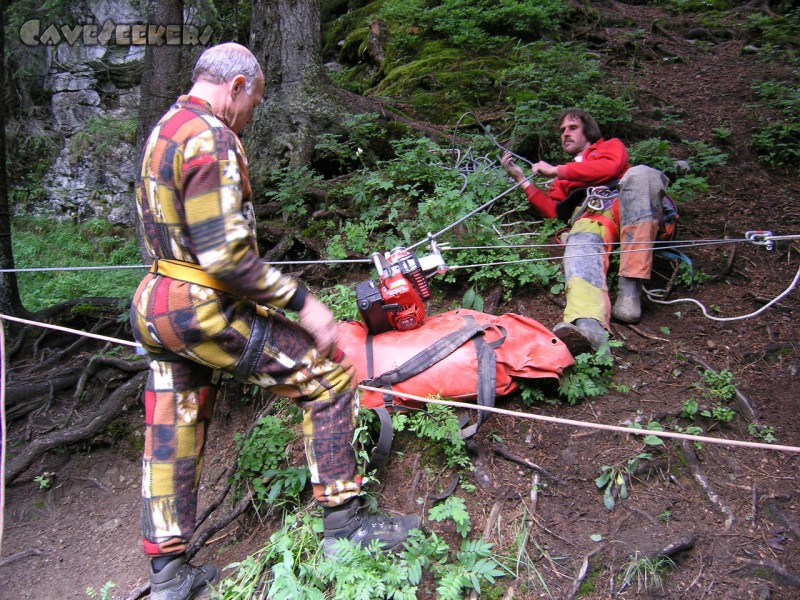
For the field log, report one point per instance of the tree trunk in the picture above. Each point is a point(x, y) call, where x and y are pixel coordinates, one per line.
point(10, 303)
point(163, 77)
point(286, 39)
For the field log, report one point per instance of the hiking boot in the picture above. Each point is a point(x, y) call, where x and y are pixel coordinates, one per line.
point(628, 307)
point(586, 335)
point(351, 521)
point(179, 580)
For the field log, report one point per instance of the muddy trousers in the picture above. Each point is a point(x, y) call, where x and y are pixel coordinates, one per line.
point(632, 222)
point(187, 355)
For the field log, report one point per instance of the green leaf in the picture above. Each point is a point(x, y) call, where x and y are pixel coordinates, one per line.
point(603, 480)
point(608, 499)
point(653, 440)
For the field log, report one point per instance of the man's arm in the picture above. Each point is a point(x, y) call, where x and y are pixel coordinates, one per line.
point(220, 235)
point(543, 204)
point(606, 161)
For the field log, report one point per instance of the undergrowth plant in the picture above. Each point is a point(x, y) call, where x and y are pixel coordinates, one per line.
point(39, 242)
point(591, 375)
point(614, 479)
point(261, 457)
point(291, 566)
point(777, 142)
point(716, 391)
point(646, 572)
point(453, 508)
point(438, 424)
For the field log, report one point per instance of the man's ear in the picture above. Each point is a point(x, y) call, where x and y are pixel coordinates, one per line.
point(237, 85)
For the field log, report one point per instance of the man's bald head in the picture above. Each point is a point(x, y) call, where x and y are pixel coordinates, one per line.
point(219, 64)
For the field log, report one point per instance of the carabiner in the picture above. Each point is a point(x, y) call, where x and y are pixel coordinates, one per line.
point(597, 197)
point(761, 238)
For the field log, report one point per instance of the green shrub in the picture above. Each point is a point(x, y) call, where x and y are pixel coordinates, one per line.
point(261, 456)
point(43, 242)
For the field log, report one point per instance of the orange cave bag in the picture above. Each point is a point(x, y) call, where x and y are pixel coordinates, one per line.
point(461, 354)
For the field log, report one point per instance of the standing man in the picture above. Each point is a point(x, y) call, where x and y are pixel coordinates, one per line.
point(630, 216)
point(209, 304)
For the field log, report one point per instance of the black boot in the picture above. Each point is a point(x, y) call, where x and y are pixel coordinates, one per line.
point(178, 580)
point(351, 521)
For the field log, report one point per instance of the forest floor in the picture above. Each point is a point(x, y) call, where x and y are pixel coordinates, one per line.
point(741, 529)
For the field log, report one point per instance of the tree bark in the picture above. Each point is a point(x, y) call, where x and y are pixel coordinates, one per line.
point(164, 75)
point(285, 37)
point(10, 303)
point(163, 78)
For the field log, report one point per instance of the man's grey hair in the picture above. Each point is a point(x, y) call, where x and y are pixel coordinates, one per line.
point(222, 63)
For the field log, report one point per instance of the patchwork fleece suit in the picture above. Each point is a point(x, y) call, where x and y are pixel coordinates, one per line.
point(193, 201)
point(630, 219)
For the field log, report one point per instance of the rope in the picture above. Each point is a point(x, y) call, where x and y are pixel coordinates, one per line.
point(68, 330)
point(652, 295)
point(585, 424)
point(655, 245)
point(115, 267)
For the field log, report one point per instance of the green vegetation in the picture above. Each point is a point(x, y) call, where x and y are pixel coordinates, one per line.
point(453, 508)
point(104, 593)
point(591, 375)
point(614, 479)
point(261, 456)
point(646, 571)
point(777, 143)
point(101, 136)
point(44, 481)
point(437, 424)
point(40, 242)
point(291, 565)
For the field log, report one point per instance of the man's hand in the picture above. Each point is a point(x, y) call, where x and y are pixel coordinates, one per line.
point(545, 168)
point(511, 168)
point(318, 320)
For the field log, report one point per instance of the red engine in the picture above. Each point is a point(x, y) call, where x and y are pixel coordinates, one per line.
point(398, 301)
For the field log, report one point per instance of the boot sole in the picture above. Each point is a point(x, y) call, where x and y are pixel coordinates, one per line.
point(576, 342)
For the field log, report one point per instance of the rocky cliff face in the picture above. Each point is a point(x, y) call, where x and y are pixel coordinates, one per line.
point(94, 83)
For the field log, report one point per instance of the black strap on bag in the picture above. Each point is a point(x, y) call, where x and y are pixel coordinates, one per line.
point(425, 359)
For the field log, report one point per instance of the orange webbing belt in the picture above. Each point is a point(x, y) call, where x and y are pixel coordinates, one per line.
point(190, 273)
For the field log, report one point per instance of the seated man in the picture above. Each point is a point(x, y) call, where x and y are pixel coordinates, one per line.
point(630, 217)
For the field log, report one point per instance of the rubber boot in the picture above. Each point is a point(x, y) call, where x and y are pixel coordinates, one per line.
point(179, 580)
point(628, 307)
point(586, 335)
point(351, 521)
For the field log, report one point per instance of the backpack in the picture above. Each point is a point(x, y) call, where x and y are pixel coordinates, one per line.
point(460, 354)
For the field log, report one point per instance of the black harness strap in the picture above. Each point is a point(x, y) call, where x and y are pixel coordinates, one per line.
point(425, 359)
point(487, 378)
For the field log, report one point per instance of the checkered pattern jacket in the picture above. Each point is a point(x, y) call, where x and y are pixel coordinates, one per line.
point(194, 203)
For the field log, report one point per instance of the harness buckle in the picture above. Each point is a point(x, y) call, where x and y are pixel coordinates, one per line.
point(761, 238)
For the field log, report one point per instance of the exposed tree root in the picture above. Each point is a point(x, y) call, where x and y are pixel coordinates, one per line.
point(583, 571)
point(694, 466)
point(502, 451)
point(27, 397)
point(679, 544)
point(89, 426)
point(769, 569)
point(20, 555)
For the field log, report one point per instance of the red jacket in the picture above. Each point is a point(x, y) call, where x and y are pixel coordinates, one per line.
point(603, 161)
